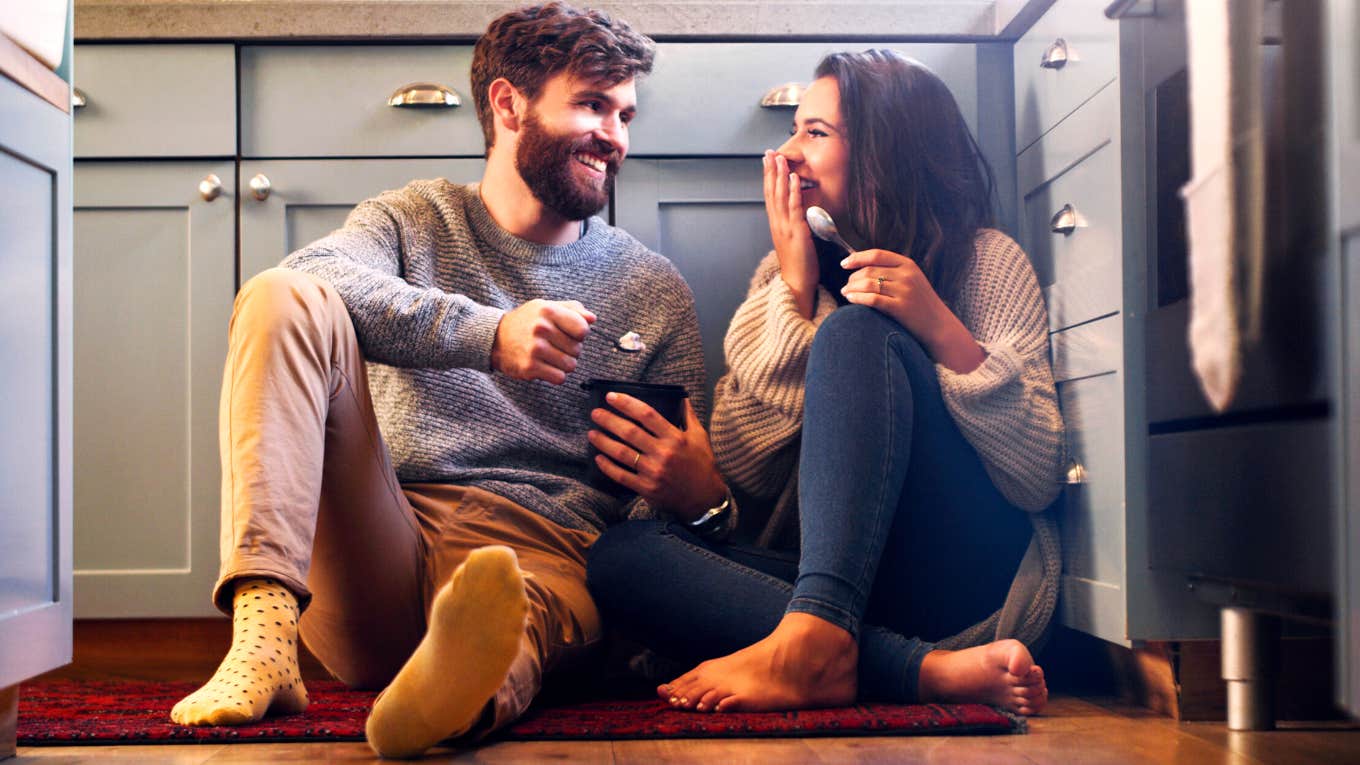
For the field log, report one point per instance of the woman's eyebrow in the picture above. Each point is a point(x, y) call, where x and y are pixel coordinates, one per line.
point(818, 121)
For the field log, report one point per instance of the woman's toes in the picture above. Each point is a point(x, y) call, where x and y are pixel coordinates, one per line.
point(708, 701)
point(728, 704)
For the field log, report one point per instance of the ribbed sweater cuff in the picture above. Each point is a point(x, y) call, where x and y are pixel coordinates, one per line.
point(471, 335)
point(1002, 366)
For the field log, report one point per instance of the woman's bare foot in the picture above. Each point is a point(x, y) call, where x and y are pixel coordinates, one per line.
point(806, 662)
point(1001, 673)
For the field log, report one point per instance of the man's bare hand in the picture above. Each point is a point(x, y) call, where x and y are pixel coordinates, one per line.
point(672, 469)
point(541, 340)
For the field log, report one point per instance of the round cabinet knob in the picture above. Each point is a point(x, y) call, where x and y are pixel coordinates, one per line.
point(260, 187)
point(1064, 221)
point(210, 187)
point(1076, 474)
point(1055, 56)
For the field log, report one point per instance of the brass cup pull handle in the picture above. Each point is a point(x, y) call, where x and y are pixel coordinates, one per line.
point(78, 99)
point(425, 94)
point(210, 187)
point(1064, 221)
point(1055, 57)
point(1076, 475)
point(260, 187)
point(784, 96)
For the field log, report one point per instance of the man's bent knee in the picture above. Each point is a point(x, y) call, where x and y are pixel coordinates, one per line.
point(285, 297)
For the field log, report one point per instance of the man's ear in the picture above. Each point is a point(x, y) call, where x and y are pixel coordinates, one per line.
point(507, 104)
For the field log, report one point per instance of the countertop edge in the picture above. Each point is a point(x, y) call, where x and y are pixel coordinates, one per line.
point(451, 20)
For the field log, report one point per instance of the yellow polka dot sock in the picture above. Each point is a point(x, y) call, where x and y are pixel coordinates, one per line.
point(260, 673)
point(476, 625)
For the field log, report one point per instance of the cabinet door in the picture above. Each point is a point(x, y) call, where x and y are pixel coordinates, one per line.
point(306, 199)
point(35, 390)
point(154, 277)
point(708, 217)
point(1342, 68)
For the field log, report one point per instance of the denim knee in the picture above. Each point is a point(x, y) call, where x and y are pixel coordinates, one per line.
point(852, 328)
point(621, 555)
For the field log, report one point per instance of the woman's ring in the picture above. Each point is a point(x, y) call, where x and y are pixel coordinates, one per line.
point(880, 284)
point(637, 455)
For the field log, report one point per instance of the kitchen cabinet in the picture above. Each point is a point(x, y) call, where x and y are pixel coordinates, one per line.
point(1343, 156)
point(35, 390)
point(154, 272)
point(1167, 501)
point(289, 203)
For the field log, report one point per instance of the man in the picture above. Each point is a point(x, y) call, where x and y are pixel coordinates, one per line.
point(451, 571)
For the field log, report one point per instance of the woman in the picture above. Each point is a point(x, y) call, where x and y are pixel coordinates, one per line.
point(906, 388)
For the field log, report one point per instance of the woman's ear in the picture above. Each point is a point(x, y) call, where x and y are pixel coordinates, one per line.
point(507, 104)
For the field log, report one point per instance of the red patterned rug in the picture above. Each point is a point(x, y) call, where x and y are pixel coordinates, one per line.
point(62, 712)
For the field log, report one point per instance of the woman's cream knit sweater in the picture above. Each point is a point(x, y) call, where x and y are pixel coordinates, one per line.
point(1006, 408)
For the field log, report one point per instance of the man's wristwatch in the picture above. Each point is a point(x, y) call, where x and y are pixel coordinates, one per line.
point(712, 522)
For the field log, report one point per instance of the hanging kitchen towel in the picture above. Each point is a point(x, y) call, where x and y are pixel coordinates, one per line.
point(1225, 197)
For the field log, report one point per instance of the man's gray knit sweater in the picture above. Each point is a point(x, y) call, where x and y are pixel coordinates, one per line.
point(427, 274)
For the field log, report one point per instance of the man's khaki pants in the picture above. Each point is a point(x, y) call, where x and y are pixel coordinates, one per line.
point(309, 498)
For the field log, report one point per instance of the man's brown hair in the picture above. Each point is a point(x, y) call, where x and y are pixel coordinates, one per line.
point(530, 45)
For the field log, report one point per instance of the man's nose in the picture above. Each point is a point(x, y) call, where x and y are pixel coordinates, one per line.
point(613, 131)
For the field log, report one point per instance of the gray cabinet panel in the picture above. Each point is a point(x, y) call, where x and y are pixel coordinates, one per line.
point(156, 100)
point(1045, 95)
point(35, 391)
point(1093, 511)
point(27, 334)
point(1075, 165)
point(1243, 502)
point(1088, 350)
point(704, 98)
point(310, 198)
point(331, 101)
point(1343, 70)
point(154, 284)
point(708, 217)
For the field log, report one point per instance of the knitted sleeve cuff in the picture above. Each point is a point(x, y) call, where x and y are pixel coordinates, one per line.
point(1001, 368)
point(469, 333)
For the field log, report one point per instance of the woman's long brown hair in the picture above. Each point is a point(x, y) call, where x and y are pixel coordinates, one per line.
point(919, 184)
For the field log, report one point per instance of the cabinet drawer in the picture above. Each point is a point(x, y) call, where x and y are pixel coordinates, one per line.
point(1077, 166)
point(332, 101)
point(1250, 502)
point(704, 98)
point(155, 101)
point(1093, 508)
point(1044, 96)
point(1088, 350)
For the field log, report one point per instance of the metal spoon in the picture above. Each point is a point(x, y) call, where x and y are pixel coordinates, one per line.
point(824, 227)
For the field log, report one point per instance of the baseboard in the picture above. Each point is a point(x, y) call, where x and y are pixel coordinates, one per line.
point(167, 650)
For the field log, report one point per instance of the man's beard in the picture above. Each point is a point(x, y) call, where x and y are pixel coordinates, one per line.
point(545, 162)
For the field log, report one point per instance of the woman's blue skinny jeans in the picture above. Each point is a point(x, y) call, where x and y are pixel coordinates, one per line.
point(902, 531)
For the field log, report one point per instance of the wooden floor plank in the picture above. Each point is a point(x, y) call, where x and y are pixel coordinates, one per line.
point(1074, 731)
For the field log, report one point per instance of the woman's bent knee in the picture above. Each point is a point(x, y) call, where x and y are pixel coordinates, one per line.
point(852, 328)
